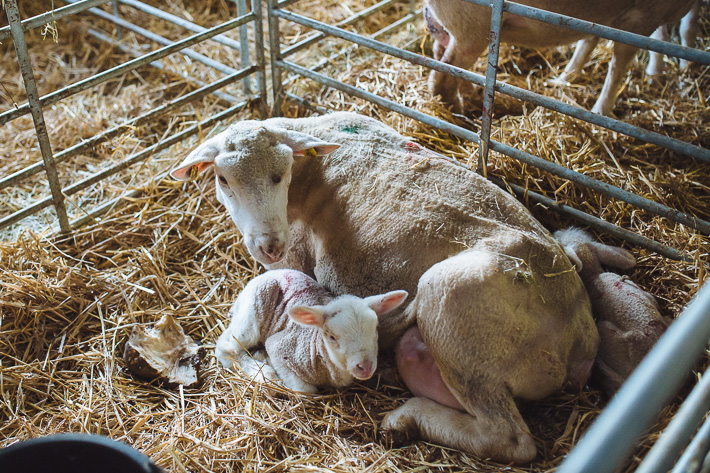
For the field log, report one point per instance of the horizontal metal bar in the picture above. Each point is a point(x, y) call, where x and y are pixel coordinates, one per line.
point(692, 459)
point(346, 22)
point(515, 92)
point(105, 135)
point(51, 16)
point(201, 58)
point(103, 208)
point(176, 20)
point(595, 222)
point(118, 167)
point(595, 29)
point(539, 163)
point(658, 377)
point(96, 79)
point(677, 435)
point(147, 152)
point(230, 99)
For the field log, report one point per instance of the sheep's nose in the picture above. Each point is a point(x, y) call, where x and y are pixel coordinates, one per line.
point(364, 369)
point(273, 251)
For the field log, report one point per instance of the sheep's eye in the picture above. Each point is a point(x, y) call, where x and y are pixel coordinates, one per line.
point(222, 179)
point(333, 338)
point(275, 179)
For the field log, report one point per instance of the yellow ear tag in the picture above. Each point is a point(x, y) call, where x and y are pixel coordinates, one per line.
point(311, 152)
point(194, 172)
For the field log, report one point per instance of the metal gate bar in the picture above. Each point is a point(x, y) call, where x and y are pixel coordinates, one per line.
point(121, 46)
point(23, 57)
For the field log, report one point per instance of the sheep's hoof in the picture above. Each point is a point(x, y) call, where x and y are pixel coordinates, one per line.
point(398, 429)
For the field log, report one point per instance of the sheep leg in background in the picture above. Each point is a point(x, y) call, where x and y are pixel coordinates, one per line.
point(689, 30)
point(494, 429)
point(440, 36)
point(623, 54)
point(655, 60)
point(459, 53)
point(581, 52)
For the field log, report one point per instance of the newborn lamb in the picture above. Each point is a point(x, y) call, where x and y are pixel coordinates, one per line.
point(312, 339)
point(628, 318)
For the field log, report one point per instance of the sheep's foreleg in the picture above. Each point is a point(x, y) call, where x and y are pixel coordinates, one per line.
point(495, 431)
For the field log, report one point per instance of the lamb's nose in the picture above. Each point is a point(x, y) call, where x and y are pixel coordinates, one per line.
point(365, 369)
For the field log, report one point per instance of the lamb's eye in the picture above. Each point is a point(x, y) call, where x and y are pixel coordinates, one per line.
point(222, 179)
point(275, 179)
point(332, 338)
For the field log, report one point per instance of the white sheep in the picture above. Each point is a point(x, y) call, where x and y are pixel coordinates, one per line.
point(350, 201)
point(312, 339)
point(461, 32)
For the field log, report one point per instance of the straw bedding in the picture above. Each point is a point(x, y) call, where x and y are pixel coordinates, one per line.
point(68, 303)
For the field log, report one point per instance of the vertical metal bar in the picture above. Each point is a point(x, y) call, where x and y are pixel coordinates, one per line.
point(676, 436)
point(23, 57)
point(256, 7)
point(653, 383)
point(489, 91)
point(119, 33)
point(275, 46)
point(244, 44)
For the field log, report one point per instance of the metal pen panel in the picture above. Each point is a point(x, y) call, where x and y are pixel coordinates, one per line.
point(128, 66)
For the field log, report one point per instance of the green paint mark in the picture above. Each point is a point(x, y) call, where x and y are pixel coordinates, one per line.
point(351, 129)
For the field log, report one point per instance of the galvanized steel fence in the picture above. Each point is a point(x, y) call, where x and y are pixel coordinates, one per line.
point(612, 437)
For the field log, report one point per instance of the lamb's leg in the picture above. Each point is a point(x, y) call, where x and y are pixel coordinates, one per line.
point(623, 53)
point(494, 430)
point(689, 30)
point(582, 51)
point(241, 336)
point(460, 54)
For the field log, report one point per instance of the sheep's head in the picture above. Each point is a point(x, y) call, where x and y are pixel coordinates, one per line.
point(253, 171)
point(348, 325)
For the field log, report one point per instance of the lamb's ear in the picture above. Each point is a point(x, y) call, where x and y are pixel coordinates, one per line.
point(199, 159)
point(309, 316)
point(614, 256)
point(302, 143)
point(386, 302)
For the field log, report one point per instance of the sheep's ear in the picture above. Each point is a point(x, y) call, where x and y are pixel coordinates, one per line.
point(302, 143)
point(199, 159)
point(309, 316)
point(386, 302)
point(614, 256)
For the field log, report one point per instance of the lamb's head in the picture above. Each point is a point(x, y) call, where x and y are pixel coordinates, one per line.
point(253, 163)
point(348, 325)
